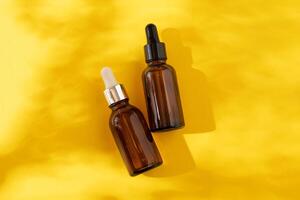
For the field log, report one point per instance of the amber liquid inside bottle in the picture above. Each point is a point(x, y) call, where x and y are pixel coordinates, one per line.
point(133, 138)
point(162, 96)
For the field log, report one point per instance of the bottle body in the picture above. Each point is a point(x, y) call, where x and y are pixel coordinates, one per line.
point(162, 97)
point(133, 138)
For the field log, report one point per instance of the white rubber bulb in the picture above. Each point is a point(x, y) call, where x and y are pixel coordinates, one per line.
point(108, 77)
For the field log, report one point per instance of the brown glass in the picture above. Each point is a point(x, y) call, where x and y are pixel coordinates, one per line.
point(133, 138)
point(162, 96)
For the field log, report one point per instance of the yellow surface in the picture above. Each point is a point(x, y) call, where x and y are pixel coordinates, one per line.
point(238, 65)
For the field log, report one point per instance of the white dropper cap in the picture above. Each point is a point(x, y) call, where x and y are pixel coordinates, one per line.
point(114, 91)
point(108, 77)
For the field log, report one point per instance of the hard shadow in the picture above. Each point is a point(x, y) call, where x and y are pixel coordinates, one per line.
point(193, 85)
point(176, 155)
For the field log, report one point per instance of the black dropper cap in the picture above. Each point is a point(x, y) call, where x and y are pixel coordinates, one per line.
point(154, 49)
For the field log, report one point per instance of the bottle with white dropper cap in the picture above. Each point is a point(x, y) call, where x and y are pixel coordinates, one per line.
point(129, 128)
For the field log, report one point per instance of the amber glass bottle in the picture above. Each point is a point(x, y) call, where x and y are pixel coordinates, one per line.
point(130, 129)
point(160, 86)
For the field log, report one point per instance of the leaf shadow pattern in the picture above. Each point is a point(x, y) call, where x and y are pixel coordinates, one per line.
point(66, 113)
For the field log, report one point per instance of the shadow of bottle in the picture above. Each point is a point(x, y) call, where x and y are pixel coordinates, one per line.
point(196, 105)
point(193, 85)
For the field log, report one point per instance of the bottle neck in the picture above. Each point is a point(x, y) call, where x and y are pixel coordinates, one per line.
point(157, 62)
point(115, 94)
point(119, 104)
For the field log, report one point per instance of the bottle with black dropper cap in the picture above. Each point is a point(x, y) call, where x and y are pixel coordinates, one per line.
point(160, 86)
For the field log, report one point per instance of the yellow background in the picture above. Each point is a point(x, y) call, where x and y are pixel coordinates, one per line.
point(238, 67)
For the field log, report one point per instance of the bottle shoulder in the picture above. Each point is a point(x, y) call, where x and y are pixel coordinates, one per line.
point(156, 68)
point(124, 111)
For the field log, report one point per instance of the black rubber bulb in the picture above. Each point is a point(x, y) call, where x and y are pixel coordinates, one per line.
point(154, 49)
point(151, 33)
